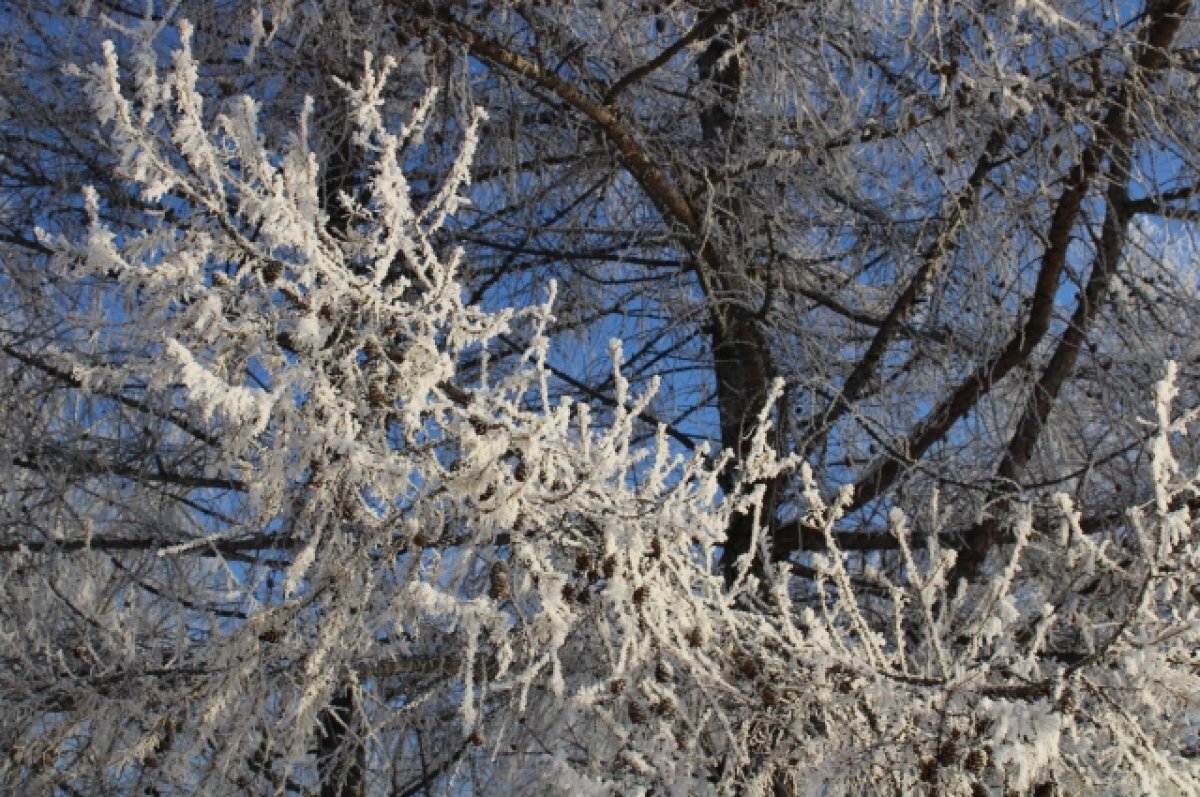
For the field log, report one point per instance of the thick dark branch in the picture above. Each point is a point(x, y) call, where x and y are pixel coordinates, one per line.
point(1157, 204)
point(67, 379)
point(1114, 233)
point(741, 356)
point(964, 397)
point(25, 243)
point(199, 547)
point(669, 200)
point(605, 255)
point(798, 536)
point(1161, 205)
point(706, 25)
point(341, 753)
point(1112, 139)
point(91, 467)
point(1045, 392)
point(931, 261)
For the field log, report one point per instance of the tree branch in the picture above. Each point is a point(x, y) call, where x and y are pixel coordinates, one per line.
point(1163, 21)
point(702, 28)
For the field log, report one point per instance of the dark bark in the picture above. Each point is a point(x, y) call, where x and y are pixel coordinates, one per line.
point(741, 355)
point(341, 755)
point(742, 365)
point(1110, 148)
point(931, 261)
point(1114, 142)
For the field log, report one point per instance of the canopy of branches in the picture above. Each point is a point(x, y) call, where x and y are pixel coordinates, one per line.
point(756, 397)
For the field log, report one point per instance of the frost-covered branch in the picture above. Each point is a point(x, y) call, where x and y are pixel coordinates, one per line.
point(279, 485)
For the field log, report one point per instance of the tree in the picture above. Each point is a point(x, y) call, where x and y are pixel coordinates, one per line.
point(321, 475)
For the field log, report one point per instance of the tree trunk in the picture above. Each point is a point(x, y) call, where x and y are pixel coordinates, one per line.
point(741, 358)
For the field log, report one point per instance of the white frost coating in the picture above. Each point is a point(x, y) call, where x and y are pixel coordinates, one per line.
point(511, 573)
point(1165, 393)
point(238, 405)
point(1025, 737)
point(308, 332)
point(301, 565)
